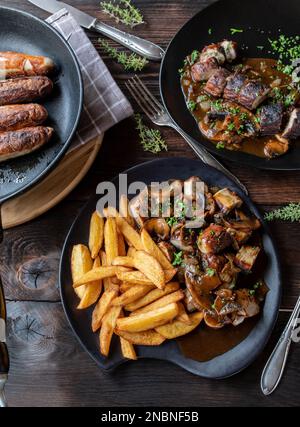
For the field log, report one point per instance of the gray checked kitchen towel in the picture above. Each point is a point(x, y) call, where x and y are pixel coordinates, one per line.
point(104, 103)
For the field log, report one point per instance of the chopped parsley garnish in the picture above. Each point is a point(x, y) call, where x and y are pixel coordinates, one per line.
point(194, 56)
point(217, 105)
point(288, 49)
point(252, 292)
point(257, 120)
point(234, 31)
point(231, 127)
point(234, 110)
point(212, 233)
point(172, 221)
point(181, 71)
point(220, 145)
point(213, 306)
point(243, 116)
point(192, 105)
point(210, 272)
point(210, 31)
point(177, 258)
point(202, 98)
point(260, 47)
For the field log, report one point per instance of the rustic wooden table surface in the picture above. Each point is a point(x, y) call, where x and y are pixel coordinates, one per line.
point(48, 366)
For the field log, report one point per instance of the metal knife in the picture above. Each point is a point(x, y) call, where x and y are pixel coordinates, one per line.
point(143, 47)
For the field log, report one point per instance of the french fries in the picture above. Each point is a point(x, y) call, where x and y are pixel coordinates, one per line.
point(151, 247)
point(162, 302)
point(129, 279)
point(101, 308)
point(96, 234)
point(149, 338)
point(151, 296)
point(107, 328)
point(81, 263)
point(177, 328)
point(92, 290)
point(150, 267)
point(150, 320)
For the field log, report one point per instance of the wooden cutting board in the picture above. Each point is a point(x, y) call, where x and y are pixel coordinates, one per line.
point(54, 188)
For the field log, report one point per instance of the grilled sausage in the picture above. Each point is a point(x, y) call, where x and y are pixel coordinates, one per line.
point(20, 142)
point(14, 117)
point(26, 89)
point(14, 64)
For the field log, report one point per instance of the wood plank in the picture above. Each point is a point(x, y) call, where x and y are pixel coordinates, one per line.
point(42, 346)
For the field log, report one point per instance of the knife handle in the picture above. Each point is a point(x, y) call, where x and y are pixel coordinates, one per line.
point(143, 47)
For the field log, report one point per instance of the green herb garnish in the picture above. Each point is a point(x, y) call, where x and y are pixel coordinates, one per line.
point(220, 145)
point(291, 212)
point(123, 11)
point(177, 258)
point(234, 31)
point(217, 105)
point(252, 292)
point(192, 105)
point(150, 139)
point(210, 31)
point(231, 127)
point(129, 61)
point(288, 49)
point(260, 47)
point(210, 272)
point(171, 221)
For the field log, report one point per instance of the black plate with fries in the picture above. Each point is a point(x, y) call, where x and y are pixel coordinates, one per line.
point(222, 366)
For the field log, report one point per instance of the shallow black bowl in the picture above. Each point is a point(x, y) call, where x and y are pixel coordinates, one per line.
point(259, 21)
point(220, 367)
point(22, 32)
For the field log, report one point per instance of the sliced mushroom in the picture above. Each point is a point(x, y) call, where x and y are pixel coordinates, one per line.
point(167, 249)
point(181, 238)
point(214, 321)
point(214, 239)
point(157, 227)
point(248, 303)
point(200, 287)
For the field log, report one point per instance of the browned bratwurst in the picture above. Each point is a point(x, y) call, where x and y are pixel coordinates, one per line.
point(15, 64)
point(20, 142)
point(14, 117)
point(25, 89)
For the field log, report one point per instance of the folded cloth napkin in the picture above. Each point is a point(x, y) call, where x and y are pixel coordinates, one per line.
point(104, 103)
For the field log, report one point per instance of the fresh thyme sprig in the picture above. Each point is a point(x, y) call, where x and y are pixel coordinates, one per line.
point(129, 62)
point(151, 139)
point(123, 11)
point(291, 212)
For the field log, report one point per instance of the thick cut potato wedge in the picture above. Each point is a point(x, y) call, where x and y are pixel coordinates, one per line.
point(124, 287)
point(134, 293)
point(130, 234)
point(81, 263)
point(177, 328)
point(127, 349)
point(150, 320)
point(92, 290)
point(111, 240)
point(121, 245)
point(125, 210)
point(183, 316)
point(169, 274)
point(162, 302)
point(107, 328)
point(124, 261)
point(150, 337)
point(107, 281)
point(98, 274)
point(96, 234)
point(133, 277)
point(150, 267)
point(130, 252)
point(152, 249)
point(152, 296)
point(101, 308)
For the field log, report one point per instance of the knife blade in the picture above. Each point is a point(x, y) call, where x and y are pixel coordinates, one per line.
point(143, 47)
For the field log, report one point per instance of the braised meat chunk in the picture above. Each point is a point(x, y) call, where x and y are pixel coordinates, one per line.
point(217, 82)
point(252, 94)
point(234, 85)
point(230, 49)
point(292, 130)
point(270, 119)
point(203, 70)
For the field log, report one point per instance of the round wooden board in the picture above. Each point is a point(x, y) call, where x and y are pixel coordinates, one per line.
point(54, 188)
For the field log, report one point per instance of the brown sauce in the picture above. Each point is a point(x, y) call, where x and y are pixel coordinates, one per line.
point(267, 69)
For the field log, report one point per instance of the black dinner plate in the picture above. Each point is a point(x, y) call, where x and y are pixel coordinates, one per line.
point(220, 367)
point(259, 20)
point(22, 32)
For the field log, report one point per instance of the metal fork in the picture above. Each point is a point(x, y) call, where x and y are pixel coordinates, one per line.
point(159, 116)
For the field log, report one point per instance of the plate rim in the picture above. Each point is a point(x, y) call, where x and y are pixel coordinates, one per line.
point(246, 157)
point(179, 362)
point(66, 143)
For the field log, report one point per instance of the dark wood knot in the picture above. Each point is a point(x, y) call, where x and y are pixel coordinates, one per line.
point(39, 273)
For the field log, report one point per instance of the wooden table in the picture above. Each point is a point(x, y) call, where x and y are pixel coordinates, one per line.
point(48, 366)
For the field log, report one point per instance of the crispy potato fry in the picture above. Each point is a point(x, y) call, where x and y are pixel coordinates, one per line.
point(150, 320)
point(110, 240)
point(107, 329)
point(150, 337)
point(150, 267)
point(121, 245)
point(182, 315)
point(96, 234)
point(134, 293)
point(92, 290)
point(177, 328)
point(98, 274)
point(130, 234)
point(81, 263)
point(111, 212)
point(101, 308)
point(125, 210)
point(124, 287)
point(131, 251)
point(152, 296)
point(162, 302)
point(127, 349)
point(152, 249)
point(124, 261)
point(107, 281)
point(133, 277)
point(169, 274)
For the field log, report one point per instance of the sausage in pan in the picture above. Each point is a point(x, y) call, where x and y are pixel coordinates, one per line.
point(26, 89)
point(14, 117)
point(15, 64)
point(20, 142)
